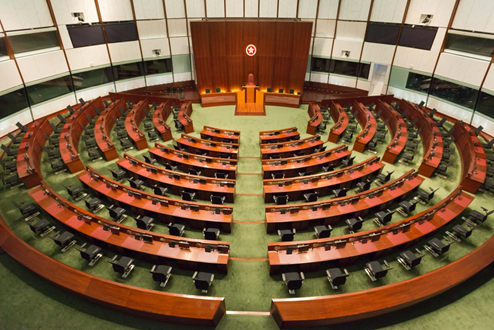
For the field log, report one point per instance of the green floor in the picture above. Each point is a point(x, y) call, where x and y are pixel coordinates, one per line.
point(35, 304)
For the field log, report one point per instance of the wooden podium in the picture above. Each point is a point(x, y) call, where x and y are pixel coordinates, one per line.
point(248, 102)
point(250, 93)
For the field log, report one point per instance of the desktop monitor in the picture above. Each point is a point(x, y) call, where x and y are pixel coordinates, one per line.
point(147, 238)
point(208, 91)
point(270, 90)
point(218, 90)
point(280, 90)
point(291, 91)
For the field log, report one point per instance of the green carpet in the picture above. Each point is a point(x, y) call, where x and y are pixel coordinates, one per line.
point(36, 304)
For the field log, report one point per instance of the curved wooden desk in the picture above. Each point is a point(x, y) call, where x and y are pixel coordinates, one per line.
point(103, 127)
point(473, 158)
point(220, 135)
point(160, 116)
point(197, 215)
point(368, 123)
point(340, 118)
point(213, 149)
point(397, 128)
point(204, 187)
point(323, 183)
point(309, 163)
point(72, 131)
point(184, 117)
point(300, 216)
point(185, 161)
point(128, 238)
point(430, 136)
point(132, 122)
point(315, 118)
point(334, 309)
point(276, 136)
point(344, 250)
point(194, 310)
point(291, 148)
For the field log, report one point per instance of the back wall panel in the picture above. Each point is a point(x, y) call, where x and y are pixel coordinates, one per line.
point(221, 61)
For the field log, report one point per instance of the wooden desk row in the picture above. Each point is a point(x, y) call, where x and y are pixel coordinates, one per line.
point(340, 308)
point(397, 128)
point(324, 183)
point(177, 182)
point(292, 148)
point(212, 149)
point(345, 250)
point(194, 310)
point(164, 209)
point(186, 161)
point(216, 99)
point(72, 131)
point(184, 117)
point(277, 136)
point(330, 212)
point(309, 163)
point(473, 158)
point(315, 118)
point(103, 127)
point(368, 124)
point(430, 136)
point(160, 116)
point(220, 135)
point(132, 122)
point(189, 253)
point(340, 118)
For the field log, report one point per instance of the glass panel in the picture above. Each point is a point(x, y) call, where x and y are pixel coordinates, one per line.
point(320, 64)
point(421, 37)
point(364, 70)
point(129, 70)
point(34, 41)
point(49, 90)
point(86, 35)
point(120, 32)
point(468, 44)
point(181, 63)
point(3, 47)
point(13, 102)
point(486, 104)
point(454, 92)
point(418, 82)
point(382, 33)
point(158, 66)
point(92, 78)
point(345, 68)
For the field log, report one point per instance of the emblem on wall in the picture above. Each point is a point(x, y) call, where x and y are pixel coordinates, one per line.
point(251, 50)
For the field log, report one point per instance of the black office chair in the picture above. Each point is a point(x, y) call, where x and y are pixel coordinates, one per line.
point(194, 172)
point(278, 175)
point(383, 178)
point(460, 231)
point(149, 159)
point(8, 165)
point(178, 125)
point(76, 191)
point(363, 185)
point(376, 271)
point(287, 235)
point(117, 173)
point(339, 192)
point(144, 222)
point(323, 231)
point(161, 191)
point(41, 227)
point(408, 259)
point(383, 217)
point(336, 277)
point(91, 254)
point(293, 281)
point(203, 281)
point(123, 266)
point(219, 200)
point(65, 240)
point(220, 175)
point(94, 204)
point(280, 200)
point(170, 167)
point(405, 208)
point(354, 224)
point(311, 197)
point(15, 139)
point(211, 234)
point(117, 213)
point(25, 208)
point(187, 196)
point(11, 152)
point(136, 183)
point(176, 229)
point(436, 247)
point(161, 273)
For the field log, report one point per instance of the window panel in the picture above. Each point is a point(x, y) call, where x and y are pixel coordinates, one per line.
point(121, 32)
point(22, 43)
point(382, 33)
point(320, 64)
point(486, 104)
point(49, 90)
point(13, 102)
point(363, 70)
point(128, 70)
point(86, 35)
point(92, 78)
point(158, 66)
point(418, 82)
point(344, 68)
point(453, 92)
point(469, 44)
point(417, 37)
point(3, 47)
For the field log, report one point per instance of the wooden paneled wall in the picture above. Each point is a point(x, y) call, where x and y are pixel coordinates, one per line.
point(221, 61)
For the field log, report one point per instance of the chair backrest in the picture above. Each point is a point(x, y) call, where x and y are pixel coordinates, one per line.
point(216, 199)
point(294, 284)
point(201, 284)
point(186, 196)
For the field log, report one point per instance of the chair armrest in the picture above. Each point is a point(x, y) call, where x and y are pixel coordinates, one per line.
point(302, 275)
point(283, 277)
point(194, 276)
point(211, 278)
point(153, 269)
point(346, 272)
point(113, 259)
